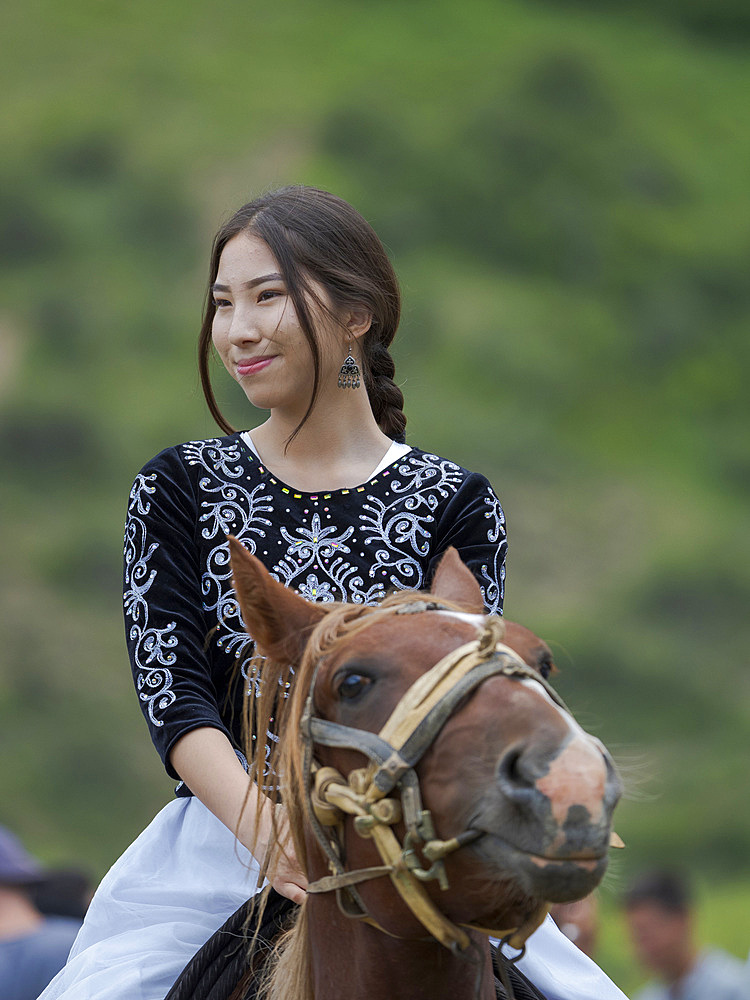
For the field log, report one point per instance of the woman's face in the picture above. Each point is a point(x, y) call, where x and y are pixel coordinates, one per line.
point(257, 333)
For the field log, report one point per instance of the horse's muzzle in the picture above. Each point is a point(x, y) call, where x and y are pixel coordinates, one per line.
point(548, 817)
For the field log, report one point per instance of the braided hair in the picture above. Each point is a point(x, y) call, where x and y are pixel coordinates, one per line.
point(319, 238)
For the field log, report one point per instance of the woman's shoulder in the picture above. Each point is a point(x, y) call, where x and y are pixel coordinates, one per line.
point(215, 453)
point(182, 473)
point(433, 465)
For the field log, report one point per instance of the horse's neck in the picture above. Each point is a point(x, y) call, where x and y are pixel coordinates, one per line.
point(352, 960)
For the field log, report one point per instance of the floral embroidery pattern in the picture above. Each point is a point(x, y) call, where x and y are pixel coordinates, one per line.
point(316, 542)
point(153, 648)
point(400, 530)
point(316, 590)
point(493, 583)
point(228, 507)
point(316, 547)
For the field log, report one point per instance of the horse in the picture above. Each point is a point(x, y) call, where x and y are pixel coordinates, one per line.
point(437, 790)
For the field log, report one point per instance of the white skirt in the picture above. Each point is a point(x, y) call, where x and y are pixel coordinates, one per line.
point(169, 892)
point(183, 877)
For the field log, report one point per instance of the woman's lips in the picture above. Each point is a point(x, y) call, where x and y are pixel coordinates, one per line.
point(253, 365)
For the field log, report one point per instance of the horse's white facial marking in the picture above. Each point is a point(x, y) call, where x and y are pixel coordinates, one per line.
point(577, 776)
point(571, 723)
point(464, 616)
point(575, 729)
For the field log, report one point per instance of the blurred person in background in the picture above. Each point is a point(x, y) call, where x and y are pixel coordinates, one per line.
point(660, 912)
point(64, 892)
point(33, 946)
point(578, 922)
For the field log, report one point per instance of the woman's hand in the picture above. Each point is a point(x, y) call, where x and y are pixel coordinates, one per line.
point(205, 760)
point(275, 847)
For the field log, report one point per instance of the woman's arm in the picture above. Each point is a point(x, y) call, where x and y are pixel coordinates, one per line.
point(165, 624)
point(206, 762)
point(177, 687)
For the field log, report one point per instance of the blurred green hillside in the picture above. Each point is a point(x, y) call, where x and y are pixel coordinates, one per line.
point(564, 190)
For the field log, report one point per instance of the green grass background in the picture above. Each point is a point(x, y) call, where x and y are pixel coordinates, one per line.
point(564, 191)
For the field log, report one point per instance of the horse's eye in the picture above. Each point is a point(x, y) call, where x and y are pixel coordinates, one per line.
point(545, 665)
point(352, 685)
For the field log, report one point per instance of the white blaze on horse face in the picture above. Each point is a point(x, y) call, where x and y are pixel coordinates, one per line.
point(579, 775)
point(571, 723)
point(463, 616)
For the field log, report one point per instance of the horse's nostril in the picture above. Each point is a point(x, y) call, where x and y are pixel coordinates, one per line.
point(514, 771)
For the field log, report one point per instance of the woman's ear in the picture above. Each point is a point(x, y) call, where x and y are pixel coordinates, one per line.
point(357, 321)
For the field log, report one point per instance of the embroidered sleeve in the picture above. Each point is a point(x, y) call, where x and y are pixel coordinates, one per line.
point(473, 522)
point(165, 626)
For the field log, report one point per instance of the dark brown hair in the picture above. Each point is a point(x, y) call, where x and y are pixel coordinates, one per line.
point(317, 237)
point(667, 888)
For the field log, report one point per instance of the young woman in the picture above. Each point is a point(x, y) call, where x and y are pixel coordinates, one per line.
point(303, 304)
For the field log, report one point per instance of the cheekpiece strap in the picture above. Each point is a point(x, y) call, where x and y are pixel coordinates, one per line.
point(332, 734)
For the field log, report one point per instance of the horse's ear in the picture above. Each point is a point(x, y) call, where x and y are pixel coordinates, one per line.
point(455, 582)
point(278, 619)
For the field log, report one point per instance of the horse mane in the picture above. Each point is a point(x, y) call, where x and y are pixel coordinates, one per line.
point(275, 704)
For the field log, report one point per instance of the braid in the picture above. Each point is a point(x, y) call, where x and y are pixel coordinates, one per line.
point(386, 398)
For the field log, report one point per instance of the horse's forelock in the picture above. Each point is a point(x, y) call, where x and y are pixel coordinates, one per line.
point(346, 620)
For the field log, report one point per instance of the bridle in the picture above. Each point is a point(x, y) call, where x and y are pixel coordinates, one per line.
point(394, 752)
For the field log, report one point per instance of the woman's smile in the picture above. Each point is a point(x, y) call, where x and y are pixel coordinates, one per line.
point(250, 366)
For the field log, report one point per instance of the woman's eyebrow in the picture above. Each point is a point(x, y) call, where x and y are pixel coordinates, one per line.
point(216, 287)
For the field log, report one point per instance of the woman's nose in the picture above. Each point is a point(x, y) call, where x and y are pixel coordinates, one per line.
point(243, 329)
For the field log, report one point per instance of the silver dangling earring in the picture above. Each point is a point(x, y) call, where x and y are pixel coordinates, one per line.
point(349, 374)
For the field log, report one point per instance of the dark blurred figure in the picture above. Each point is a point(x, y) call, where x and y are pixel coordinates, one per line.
point(64, 892)
point(578, 922)
point(659, 909)
point(33, 946)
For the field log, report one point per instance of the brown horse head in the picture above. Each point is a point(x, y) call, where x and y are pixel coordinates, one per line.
point(509, 770)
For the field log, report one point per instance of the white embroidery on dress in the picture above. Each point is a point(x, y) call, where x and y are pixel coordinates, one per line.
point(324, 549)
point(493, 584)
point(216, 455)
point(316, 590)
point(324, 561)
point(316, 543)
point(152, 647)
point(227, 508)
point(321, 548)
point(402, 526)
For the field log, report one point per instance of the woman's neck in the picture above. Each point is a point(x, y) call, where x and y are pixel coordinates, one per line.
point(332, 450)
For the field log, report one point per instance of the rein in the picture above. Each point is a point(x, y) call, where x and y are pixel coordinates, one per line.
point(393, 753)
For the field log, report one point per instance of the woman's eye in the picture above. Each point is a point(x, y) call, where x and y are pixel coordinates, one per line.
point(352, 685)
point(221, 303)
point(267, 294)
